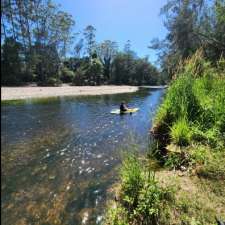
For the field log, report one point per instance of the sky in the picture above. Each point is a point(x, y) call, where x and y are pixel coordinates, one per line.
point(120, 20)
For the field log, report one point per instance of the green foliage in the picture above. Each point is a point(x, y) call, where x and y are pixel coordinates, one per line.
point(197, 99)
point(141, 198)
point(131, 180)
point(106, 52)
point(191, 25)
point(180, 132)
point(89, 73)
point(116, 216)
point(89, 35)
point(66, 75)
point(39, 34)
point(180, 101)
point(212, 162)
point(173, 161)
point(150, 197)
point(127, 69)
point(11, 64)
point(52, 81)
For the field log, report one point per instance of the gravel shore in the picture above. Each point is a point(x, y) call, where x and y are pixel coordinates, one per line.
point(15, 93)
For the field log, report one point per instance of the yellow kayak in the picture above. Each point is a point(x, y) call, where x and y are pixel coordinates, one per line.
point(117, 111)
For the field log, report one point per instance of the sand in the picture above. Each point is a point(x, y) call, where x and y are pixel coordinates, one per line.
point(16, 93)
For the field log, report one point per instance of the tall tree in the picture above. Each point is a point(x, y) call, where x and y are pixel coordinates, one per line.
point(38, 25)
point(89, 35)
point(191, 24)
point(78, 48)
point(106, 52)
point(11, 65)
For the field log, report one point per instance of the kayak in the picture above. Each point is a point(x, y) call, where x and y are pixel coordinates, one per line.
point(129, 111)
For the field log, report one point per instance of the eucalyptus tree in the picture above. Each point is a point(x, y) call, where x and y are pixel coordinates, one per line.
point(89, 35)
point(40, 27)
point(78, 48)
point(106, 52)
point(191, 24)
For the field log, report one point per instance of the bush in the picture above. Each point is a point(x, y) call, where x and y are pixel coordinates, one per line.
point(66, 75)
point(149, 200)
point(90, 73)
point(51, 81)
point(179, 101)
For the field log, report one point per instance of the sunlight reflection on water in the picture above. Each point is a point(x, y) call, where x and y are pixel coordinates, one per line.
point(60, 159)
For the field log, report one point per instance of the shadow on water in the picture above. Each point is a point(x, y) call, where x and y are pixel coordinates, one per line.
point(60, 156)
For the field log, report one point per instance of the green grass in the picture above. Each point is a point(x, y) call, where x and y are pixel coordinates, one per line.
point(194, 106)
point(140, 196)
point(193, 110)
point(192, 116)
point(181, 132)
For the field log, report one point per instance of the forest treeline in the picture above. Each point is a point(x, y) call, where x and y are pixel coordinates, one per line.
point(38, 45)
point(191, 25)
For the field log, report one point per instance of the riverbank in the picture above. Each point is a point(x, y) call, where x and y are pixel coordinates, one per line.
point(182, 179)
point(17, 93)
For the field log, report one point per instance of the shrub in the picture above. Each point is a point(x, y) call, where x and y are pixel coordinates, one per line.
point(53, 81)
point(149, 200)
point(67, 75)
point(90, 73)
point(179, 101)
point(116, 216)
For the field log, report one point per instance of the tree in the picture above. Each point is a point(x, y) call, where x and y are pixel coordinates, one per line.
point(191, 24)
point(11, 65)
point(78, 48)
point(145, 73)
point(135, 71)
point(89, 73)
point(127, 49)
point(38, 26)
point(89, 35)
point(48, 69)
point(106, 52)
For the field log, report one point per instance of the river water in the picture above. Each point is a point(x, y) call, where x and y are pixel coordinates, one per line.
point(60, 156)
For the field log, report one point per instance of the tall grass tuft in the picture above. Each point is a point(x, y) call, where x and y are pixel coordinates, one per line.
point(141, 198)
point(131, 180)
point(180, 132)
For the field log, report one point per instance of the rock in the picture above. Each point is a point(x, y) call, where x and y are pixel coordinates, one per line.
point(183, 168)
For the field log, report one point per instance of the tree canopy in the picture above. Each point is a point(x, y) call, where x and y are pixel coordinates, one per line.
point(191, 25)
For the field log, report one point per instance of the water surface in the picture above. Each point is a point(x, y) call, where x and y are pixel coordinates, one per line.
point(60, 156)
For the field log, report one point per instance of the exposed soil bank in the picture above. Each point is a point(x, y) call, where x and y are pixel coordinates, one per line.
point(15, 93)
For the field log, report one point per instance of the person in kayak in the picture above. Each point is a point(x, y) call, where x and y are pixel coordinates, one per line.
point(123, 107)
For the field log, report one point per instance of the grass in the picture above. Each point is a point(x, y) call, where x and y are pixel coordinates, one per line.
point(195, 100)
point(181, 132)
point(192, 118)
point(140, 198)
point(168, 197)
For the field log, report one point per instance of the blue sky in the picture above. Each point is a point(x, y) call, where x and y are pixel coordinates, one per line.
point(120, 20)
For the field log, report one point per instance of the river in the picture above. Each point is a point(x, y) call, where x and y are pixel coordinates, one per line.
point(60, 156)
